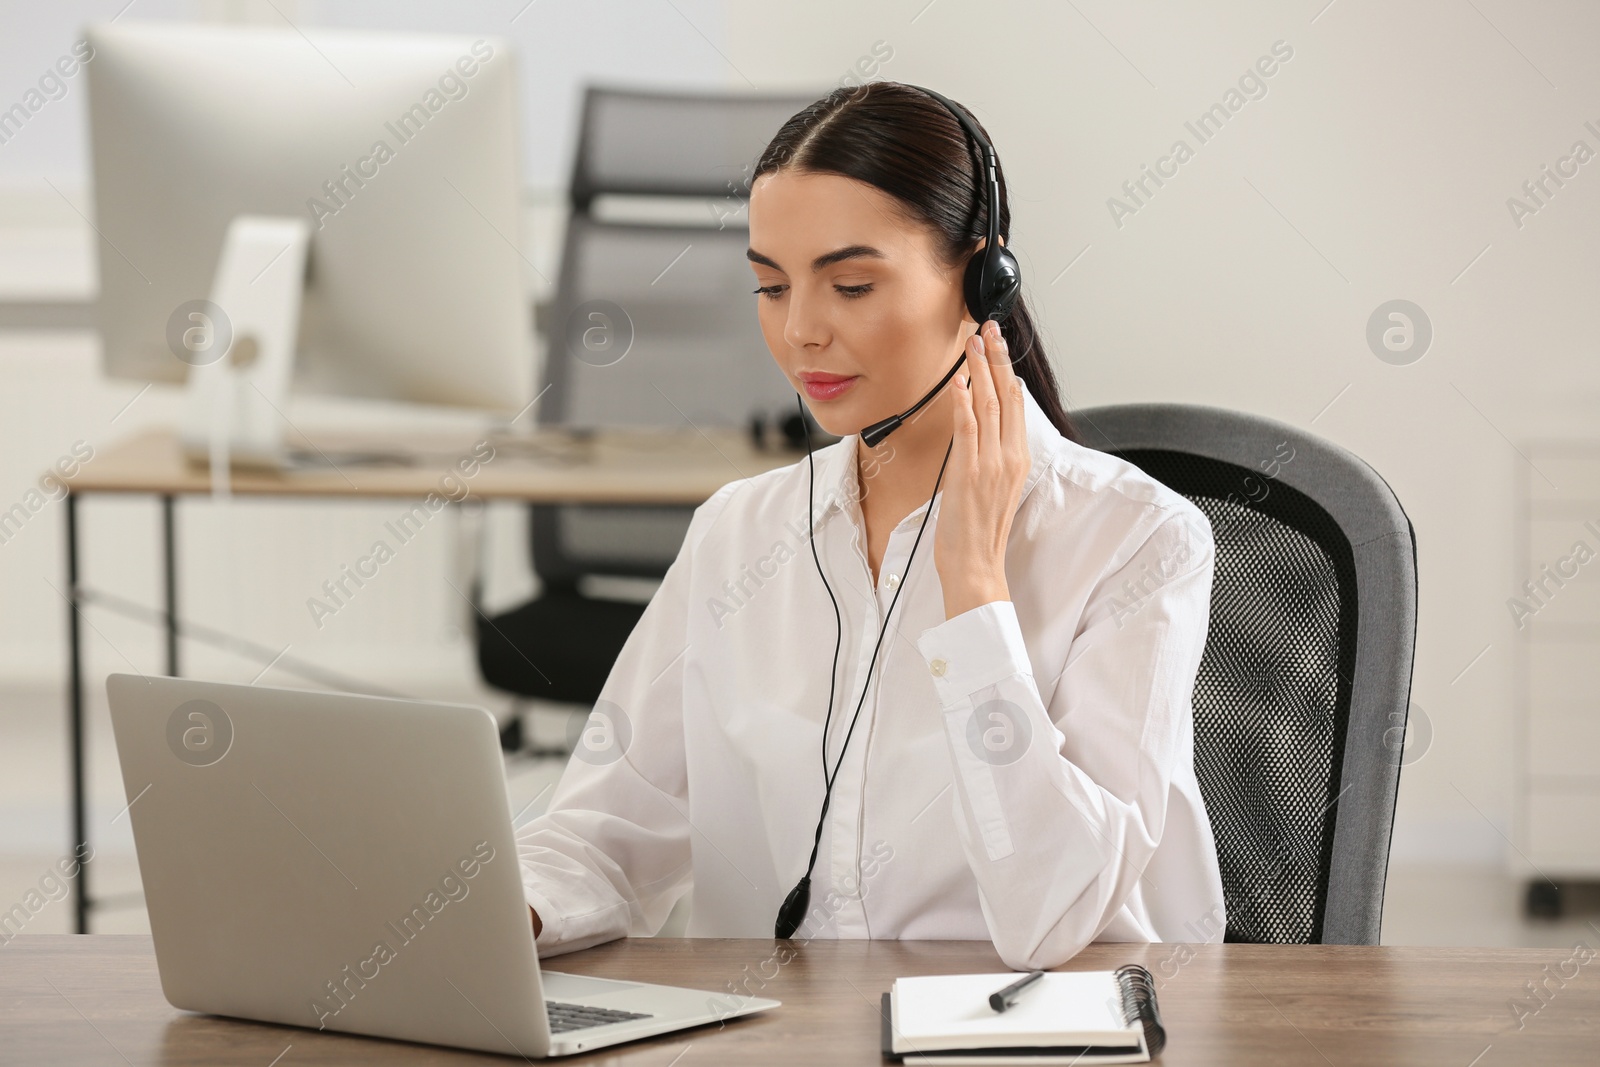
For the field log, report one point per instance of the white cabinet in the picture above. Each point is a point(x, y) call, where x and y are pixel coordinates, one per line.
point(1555, 604)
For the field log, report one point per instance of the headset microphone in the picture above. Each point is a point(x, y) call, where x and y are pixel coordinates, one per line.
point(990, 287)
point(879, 430)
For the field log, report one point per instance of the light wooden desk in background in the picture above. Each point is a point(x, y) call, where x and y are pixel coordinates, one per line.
point(97, 999)
point(633, 467)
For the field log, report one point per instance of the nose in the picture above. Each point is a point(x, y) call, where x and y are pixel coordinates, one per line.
point(805, 325)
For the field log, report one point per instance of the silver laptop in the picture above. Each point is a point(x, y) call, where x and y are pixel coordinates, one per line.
point(348, 863)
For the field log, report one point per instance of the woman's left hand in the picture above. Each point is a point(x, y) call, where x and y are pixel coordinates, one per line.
point(989, 463)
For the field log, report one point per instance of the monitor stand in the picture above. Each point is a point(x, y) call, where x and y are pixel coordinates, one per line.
point(241, 345)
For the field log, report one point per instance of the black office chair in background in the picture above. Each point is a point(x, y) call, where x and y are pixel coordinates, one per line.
point(652, 325)
point(1301, 699)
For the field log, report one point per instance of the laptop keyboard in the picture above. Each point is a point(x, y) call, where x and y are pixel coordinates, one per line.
point(565, 1017)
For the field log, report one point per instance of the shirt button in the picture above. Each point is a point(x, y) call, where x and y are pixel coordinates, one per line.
point(937, 666)
point(892, 581)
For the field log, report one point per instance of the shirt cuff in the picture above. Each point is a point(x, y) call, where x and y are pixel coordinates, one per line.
point(977, 648)
point(549, 918)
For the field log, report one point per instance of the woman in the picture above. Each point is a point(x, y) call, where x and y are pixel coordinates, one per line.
point(1010, 757)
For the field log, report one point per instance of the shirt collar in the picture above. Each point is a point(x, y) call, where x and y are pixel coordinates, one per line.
point(837, 476)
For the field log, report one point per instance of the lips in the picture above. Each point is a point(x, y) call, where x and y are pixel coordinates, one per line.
point(820, 386)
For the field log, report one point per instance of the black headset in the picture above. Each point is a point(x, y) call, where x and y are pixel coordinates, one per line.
point(993, 280)
point(991, 286)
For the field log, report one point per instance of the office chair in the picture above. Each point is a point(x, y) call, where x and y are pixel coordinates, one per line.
point(1301, 699)
point(652, 324)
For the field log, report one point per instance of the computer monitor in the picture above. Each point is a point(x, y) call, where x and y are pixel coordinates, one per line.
point(356, 190)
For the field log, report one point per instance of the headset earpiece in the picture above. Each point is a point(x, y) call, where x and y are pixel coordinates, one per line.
point(992, 283)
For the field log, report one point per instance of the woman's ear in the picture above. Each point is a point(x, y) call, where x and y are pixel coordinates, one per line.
point(966, 313)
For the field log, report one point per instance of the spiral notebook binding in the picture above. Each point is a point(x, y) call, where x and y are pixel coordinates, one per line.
point(1139, 1005)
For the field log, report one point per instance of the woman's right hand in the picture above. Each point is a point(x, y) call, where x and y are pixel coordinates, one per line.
point(537, 925)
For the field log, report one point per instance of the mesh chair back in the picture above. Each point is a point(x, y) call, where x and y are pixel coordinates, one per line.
point(1301, 698)
point(653, 324)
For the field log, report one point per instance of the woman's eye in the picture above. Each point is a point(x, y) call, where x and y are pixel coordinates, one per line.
point(849, 292)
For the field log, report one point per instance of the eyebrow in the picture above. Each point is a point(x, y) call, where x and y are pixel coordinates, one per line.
point(827, 259)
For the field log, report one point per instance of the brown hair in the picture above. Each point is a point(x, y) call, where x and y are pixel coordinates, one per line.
point(902, 141)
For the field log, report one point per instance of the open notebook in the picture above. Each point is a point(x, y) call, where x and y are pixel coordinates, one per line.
point(1066, 1017)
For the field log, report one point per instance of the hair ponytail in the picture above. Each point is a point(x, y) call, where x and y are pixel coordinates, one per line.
point(1028, 360)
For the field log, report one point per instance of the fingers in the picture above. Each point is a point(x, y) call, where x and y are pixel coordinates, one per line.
point(1009, 411)
point(991, 416)
point(984, 398)
point(1008, 387)
point(964, 442)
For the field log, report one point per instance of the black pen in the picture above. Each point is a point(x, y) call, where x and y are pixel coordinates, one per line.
point(1008, 996)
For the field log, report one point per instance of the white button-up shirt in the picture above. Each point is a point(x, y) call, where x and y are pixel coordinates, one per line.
point(1022, 773)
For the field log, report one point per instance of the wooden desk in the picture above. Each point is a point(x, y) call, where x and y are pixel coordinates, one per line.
point(544, 467)
point(96, 999)
point(551, 466)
